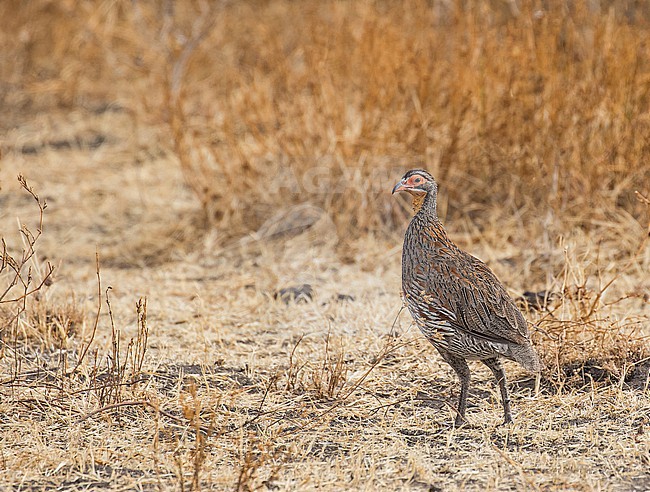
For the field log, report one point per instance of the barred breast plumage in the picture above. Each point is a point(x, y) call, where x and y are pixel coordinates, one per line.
point(456, 300)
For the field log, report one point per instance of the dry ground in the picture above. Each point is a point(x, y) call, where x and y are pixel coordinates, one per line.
point(326, 394)
point(220, 386)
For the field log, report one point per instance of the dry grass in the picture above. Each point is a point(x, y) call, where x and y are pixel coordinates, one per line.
point(215, 153)
point(538, 114)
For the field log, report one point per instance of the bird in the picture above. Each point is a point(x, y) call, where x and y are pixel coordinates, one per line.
point(458, 303)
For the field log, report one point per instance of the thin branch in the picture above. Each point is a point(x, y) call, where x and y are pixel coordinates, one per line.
point(96, 322)
point(144, 403)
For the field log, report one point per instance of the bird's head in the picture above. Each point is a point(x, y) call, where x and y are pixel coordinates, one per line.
point(418, 183)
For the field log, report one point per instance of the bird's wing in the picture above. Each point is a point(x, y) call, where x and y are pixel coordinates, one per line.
point(473, 298)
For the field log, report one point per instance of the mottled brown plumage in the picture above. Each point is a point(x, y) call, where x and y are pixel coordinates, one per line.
point(456, 300)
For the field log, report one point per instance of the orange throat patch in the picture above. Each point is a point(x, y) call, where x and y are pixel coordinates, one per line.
point(418, 200)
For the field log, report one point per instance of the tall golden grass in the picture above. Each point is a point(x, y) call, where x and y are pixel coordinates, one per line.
point(517, 110)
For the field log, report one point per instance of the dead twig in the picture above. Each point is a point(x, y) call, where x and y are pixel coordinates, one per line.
point(145, 404)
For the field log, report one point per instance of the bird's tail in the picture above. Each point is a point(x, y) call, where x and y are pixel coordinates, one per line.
point(527, 357)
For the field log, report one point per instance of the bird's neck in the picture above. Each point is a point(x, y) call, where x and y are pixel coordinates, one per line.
point(424, 205)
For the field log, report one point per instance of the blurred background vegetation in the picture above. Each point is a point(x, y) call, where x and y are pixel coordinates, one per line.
point(532, 110)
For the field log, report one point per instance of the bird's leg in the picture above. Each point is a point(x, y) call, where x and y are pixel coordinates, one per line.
point(459, 365)
point(499, 374)
point(464, 377)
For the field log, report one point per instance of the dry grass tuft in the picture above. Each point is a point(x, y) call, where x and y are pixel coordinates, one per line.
point(23, 278)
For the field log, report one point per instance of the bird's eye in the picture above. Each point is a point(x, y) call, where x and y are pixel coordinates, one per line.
point(417, 180)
